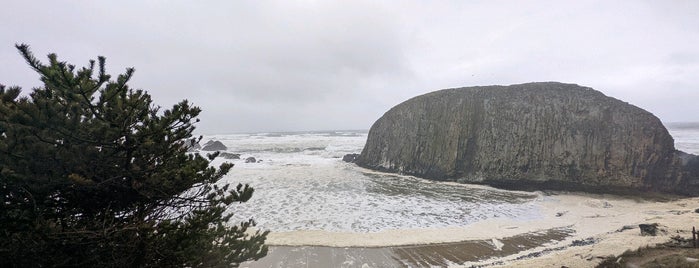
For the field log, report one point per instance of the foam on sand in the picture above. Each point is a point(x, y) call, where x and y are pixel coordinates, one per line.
point(602, 220)
point(598, 219)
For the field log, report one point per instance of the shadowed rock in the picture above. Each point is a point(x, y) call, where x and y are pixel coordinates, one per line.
point(351, 158)
point(530, 136)
point(649, 229)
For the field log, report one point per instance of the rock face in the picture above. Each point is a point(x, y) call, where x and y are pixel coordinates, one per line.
point(528, 136)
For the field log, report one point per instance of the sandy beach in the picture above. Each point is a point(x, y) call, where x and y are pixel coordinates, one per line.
point(603, 219)
point(576, 230)
point(431, 255)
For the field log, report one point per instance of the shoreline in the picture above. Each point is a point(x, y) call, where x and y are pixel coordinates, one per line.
point(590, 217)
point(431, 255)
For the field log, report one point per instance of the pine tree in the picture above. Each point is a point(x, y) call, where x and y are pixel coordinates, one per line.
point(92, 173)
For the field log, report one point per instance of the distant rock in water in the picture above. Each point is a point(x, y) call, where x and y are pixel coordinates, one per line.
point(529, 136)
point(351, 158)
point(214, 146)
point(250, 160)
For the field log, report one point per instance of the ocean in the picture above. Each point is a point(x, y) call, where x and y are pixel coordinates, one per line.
point(302, 184)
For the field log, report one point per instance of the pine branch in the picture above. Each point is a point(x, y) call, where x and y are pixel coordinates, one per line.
point(29, 57)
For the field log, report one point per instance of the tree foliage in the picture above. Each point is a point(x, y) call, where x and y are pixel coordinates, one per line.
point(92, 173)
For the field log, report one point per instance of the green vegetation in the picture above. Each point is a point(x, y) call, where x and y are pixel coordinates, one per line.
point(92, 173)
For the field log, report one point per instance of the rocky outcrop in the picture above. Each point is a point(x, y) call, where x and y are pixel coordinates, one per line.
point(214, 146)
point(689, 170)
point(650, 229)
point(351, 158)
point(528, 136)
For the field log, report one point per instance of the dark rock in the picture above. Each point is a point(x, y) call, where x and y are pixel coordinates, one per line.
point(530, 136)
point(229, 155)
point(214, 146)
point(696, 210)
point(250, 160)
point(649, 229)
point(351, 158)
point(685, 158)
point(689, 172)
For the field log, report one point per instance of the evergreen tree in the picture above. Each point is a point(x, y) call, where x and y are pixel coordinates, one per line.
point(92, 173)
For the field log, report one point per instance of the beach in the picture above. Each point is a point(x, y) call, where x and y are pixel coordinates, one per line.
point(577, 230)
point(323, 212)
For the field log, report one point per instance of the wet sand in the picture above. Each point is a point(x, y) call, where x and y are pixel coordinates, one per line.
point(440, 255)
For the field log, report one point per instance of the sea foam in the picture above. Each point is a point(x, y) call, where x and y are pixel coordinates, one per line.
point(301, 184)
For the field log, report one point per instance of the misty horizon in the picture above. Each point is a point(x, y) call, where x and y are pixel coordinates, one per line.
point(295, 66)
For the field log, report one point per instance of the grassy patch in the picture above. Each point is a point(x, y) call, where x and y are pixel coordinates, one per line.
point(651, 257)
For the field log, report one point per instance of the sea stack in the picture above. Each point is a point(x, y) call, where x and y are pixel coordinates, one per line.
point(529, 136)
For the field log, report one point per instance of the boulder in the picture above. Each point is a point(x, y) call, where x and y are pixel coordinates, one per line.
point(533, 136)
point(649, 229)
point(214, 146)
point(250, 160)
point(351, 158)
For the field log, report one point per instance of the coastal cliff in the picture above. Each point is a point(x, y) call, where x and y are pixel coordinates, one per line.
point(529, 136)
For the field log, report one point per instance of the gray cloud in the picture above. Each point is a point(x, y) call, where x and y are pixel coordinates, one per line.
point(278, 65)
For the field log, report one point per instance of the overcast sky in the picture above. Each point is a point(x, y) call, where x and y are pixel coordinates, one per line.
point(322, 65)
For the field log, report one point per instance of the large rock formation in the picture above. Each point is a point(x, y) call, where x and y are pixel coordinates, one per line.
point(214, 146)
point(529, 136)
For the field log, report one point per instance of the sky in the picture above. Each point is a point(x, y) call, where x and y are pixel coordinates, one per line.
point(261, 66)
